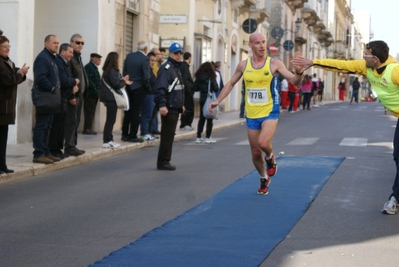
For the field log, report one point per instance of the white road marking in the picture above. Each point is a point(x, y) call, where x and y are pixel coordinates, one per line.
point(353, 142)
point(303, 141)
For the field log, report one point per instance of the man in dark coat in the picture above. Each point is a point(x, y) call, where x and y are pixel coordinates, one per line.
point(92, 93)
point(68, 87)
point(10, 77)
point(46, 79)
point(75, 104)
point(169, 97)
point(186, 119)
point(137, 66)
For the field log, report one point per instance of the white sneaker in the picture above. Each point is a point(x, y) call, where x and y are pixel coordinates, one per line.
point(111, 144)
point(199, 140)
point(292, 111)
point(210, 140)
point(187, 128)
point(316, 106)
point(148, 137)
point(391, 206)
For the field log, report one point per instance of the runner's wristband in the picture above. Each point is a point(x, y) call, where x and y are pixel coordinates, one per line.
point(299, 73)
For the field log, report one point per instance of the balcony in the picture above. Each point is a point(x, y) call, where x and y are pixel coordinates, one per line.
point(295, 4)
point(310, 16)
point(325, 37)
point(258, 14)
point(318, 27)
point(243, 5)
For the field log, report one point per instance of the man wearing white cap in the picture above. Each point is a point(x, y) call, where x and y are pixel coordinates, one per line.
point(169, 98)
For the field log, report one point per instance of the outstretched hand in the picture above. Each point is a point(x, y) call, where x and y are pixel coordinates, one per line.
point(300, 63)
point(213, 105)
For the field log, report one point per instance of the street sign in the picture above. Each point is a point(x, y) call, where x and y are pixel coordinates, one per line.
point(249, 25)
point(277, 32)
point(288, 45)
point(273, 49)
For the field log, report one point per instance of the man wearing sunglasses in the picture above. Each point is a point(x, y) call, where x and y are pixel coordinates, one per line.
point(75, 102)
point(382, 71)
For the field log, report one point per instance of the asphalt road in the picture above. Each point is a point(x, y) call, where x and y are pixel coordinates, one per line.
point(78, 215)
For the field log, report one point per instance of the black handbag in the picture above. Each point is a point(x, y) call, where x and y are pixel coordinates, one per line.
point(46, 102)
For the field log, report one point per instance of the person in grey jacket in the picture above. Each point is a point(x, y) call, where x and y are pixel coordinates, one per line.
point(111, 78)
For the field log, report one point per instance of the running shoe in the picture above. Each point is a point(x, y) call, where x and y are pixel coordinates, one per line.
point(271, 165)
point(210, 140)
point(264, 186)
point(199, 140)
point(391, 206)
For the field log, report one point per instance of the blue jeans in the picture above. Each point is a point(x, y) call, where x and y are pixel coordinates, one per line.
point(146, 112)
point(41, 134)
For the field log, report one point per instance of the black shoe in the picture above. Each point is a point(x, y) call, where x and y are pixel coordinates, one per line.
point(82, 151)
point(73, 151)
point(125, 138)
point(135, 140)
point(156, 132)
point(1, 172)
point(6, 171)
point(166, 167)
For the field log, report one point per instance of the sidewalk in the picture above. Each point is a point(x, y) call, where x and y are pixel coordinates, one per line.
point(19, 157)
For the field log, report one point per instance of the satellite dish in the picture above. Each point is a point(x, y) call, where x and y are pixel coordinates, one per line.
point(249, 25)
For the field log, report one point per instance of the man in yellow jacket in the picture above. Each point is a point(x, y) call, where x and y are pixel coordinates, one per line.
point(382, 71)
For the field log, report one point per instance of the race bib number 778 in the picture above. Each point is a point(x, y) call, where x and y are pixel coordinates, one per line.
point(257, 96)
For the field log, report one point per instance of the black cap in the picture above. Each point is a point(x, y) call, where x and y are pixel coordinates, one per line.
point(95, 55)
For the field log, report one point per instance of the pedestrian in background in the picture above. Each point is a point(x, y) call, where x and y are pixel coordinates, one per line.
point(320, 90)
point(219, 79)
point(355, 91)
point(292, 91)
point(205, 80)
point(306, 89)
point(10, 77)
point(341, 89)
point(112, 78)
point(284, 93)
point(92, 93)
point(186, 119)
point(315, 85)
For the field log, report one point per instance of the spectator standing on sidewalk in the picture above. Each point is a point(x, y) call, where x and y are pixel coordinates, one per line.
point(355, 91)
point(111, 78)
point(169, 97)
point(153, 123)
point(292, 91)
point(306, 88)
point(315, 85)
point(68, 88)
point(75, 103)
point(382, 71)
point(148, 105)
point(320, 90)
point(284, 93)
point(186, 119)
point(219, 78)
point(342, 89)
point(92, 93)
point(262, 103)
point(46, 78)
point(205, 79)
point(10, 77)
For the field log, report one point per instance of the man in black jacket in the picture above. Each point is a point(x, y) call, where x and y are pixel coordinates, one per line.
point(169, 97)
point(75, 103)
point(137, 66)
point(68, 87)
point(46, 79)
point(187, 117)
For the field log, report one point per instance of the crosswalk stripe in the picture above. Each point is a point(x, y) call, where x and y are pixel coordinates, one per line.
point(303, 141)
point(353, 142)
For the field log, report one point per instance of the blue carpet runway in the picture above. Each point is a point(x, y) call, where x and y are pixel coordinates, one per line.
point(236, 227)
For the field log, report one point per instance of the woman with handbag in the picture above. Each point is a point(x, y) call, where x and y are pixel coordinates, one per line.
point(111, 80)
point(205, 80)
point(10, 77)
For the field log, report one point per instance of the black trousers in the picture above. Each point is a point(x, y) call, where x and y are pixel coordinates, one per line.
point(395, 186)
point(201, 123)
point(168, 129)
point(131, 120)
point(306, 100)
point(57, 132)
point(89, 109)
point(291, 95)
point(3, 146)
point(110, 121)
point(187, 118)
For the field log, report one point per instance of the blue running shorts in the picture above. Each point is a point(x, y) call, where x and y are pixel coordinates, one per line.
point(256, 124)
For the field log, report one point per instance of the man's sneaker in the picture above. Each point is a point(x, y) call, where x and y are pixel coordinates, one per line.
point(111, 144)
point(148, 137)
point(391, 206)
point(264, 186)
point(199, 140)
point(188, 128)
point(210, 140)
point(271, 165)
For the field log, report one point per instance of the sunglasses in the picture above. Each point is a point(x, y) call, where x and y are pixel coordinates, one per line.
point(79, 43)
point(368, 56)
